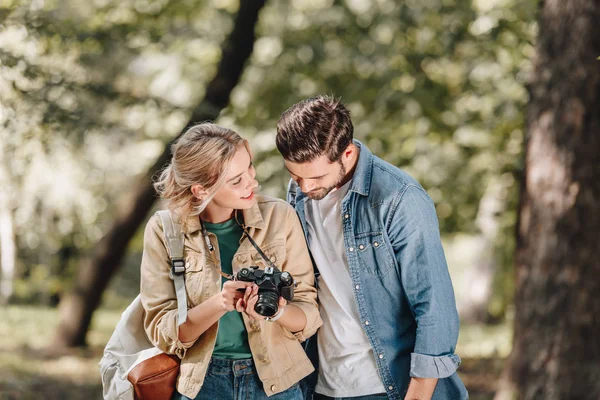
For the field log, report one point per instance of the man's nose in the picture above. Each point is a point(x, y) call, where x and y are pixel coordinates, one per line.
point(307, 186)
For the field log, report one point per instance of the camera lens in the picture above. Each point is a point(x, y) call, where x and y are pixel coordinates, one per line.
point(267, 303)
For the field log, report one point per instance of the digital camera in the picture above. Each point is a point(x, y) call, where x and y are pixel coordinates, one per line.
point(271, 283)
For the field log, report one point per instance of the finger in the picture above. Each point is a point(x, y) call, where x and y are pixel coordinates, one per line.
point(239, 306)
point(282, 302)
point(234, 285)
point(250, 308)
point(247, 294)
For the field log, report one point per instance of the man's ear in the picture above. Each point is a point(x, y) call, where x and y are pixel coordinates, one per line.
point(349, 152)
point(198, 191)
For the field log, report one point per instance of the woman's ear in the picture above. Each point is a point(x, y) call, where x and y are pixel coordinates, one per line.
point(199, 192)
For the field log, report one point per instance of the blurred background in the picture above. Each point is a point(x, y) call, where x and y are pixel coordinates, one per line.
point(92, 93)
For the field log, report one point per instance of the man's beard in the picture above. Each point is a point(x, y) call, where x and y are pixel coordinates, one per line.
point(320, 193)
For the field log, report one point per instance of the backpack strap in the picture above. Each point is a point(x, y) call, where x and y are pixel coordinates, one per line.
point(174, 240)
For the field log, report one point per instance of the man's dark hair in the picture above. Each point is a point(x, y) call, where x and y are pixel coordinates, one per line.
point(313, 127)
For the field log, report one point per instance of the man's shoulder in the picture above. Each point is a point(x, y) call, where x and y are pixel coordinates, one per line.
point(388, 180)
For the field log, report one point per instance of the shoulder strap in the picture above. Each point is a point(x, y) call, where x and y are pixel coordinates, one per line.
point(174, 240)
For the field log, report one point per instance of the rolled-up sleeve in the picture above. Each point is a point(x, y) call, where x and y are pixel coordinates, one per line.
point(157, 292)
point(299, 264)
point(414, 232)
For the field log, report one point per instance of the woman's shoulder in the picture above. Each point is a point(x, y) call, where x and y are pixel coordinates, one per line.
point(272, 205)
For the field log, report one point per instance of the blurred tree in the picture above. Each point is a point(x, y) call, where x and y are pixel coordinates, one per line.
point(556, 352)
point(91, 92)
point(434, 86)
point(89, 95)
point(93, 275)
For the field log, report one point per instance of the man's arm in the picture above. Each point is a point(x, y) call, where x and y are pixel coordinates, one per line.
point(421, 388)
point(413, 230)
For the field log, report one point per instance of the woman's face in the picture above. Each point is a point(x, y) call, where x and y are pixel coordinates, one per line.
point(237, 193)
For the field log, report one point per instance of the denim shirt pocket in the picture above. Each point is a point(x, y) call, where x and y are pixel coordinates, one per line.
point(373, 253)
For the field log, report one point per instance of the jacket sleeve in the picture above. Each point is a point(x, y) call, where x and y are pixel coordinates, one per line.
point(299, 264)
point(157, 292)
point(414, 233)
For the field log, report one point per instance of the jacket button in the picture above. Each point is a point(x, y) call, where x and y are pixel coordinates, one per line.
point(366, 322)
point(273, 388)
point(390, 387)
point(346, 216)
point(376, 244)
point(264, 360)
point(351, 249)
point(361, 247)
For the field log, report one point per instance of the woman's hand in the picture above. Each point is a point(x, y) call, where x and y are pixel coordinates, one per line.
point(248, 302)
point(231, 295)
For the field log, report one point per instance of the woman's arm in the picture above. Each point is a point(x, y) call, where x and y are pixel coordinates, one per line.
point(205, 314)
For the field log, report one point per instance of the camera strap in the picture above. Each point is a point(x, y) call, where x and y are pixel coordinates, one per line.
point(268, 261)
point(211, 250)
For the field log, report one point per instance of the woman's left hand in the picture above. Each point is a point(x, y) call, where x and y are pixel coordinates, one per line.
point(248, 303)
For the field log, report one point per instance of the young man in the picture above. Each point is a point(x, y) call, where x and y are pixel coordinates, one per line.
point(390, 323)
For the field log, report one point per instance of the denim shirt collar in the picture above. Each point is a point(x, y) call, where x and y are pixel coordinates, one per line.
point(361, 180)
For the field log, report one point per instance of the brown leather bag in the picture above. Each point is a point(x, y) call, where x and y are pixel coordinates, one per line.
point(155, 378)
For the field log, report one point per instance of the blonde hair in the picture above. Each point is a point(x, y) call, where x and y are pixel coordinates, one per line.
point(201, 156)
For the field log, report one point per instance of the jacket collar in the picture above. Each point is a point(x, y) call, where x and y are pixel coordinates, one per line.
point(252, 219)
point(361, 180)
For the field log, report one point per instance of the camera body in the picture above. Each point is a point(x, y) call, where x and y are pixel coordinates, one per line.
point(271, 283)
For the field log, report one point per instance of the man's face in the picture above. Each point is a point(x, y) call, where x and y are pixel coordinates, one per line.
point(318, 177)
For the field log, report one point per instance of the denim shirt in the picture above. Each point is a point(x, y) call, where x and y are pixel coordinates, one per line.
point(399, 274)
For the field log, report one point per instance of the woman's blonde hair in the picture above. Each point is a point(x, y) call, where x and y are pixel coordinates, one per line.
point(201, 156)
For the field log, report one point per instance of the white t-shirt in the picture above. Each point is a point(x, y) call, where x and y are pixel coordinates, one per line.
point(346, 360)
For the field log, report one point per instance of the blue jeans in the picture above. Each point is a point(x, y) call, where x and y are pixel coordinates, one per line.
point(378, 396)
point(236, 380)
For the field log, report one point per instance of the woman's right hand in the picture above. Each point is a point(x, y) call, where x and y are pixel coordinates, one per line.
point(232, 295)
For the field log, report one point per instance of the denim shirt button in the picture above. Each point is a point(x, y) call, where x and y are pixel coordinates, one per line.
point(351, 249)
point(357, 287)
point(390, 387)
point(366, 322)
point(381, 356)
point(346, 216)
point(361, 247)
point(376, 244)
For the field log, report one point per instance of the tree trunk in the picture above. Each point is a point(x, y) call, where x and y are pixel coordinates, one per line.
point(556, 352)
point(8, 247)
point(7, 250)
point(94, 274)
point(475, 305)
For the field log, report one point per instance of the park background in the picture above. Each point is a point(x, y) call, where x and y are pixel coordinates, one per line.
point(491, 104)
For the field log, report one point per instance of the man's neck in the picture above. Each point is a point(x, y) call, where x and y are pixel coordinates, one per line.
point(352, 168)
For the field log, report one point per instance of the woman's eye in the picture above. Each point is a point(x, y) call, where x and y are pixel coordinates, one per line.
point(237, 182)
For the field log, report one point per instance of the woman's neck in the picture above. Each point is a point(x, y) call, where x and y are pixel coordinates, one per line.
point(216, 215)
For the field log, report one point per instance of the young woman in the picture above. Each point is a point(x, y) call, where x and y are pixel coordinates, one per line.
point(227, 349)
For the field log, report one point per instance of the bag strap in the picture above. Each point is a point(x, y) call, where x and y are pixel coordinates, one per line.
point(174, 240)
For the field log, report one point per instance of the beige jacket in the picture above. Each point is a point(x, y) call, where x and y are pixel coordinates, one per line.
point(279, 358)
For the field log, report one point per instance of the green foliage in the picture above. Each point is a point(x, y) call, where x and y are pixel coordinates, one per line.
point(91, 91)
